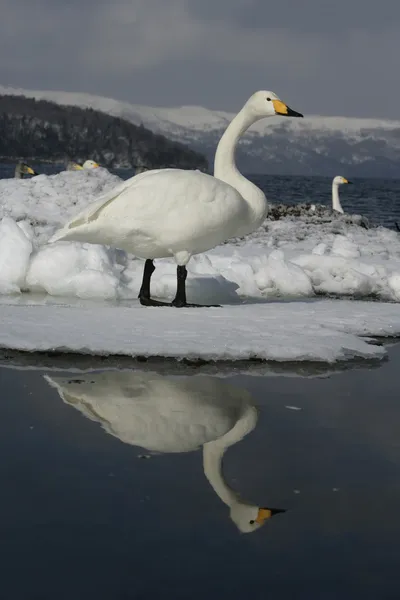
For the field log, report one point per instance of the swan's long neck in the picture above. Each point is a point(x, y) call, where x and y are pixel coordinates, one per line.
point(213, 453)
point(18, 172)
point(335, 198)
point(226, 170)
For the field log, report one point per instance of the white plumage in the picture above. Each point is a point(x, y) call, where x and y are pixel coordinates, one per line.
point(139, 232)
point(172, 212)
point(338, 180)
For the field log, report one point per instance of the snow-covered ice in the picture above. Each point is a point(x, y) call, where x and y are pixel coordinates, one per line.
point(316, 330)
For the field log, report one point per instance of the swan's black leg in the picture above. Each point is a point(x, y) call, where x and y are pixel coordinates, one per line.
point(148, 271)
point(144, 293)
point(180, 299)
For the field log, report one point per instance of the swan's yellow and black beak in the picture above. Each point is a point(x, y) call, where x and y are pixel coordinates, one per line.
point(283, 110)
point(77, 167)
point(28, 170)
point(346, 181)
point(266, 513)
point(96, 165)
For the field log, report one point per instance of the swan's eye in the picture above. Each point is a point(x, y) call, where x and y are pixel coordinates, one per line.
point(269, 99)
point(252, 522)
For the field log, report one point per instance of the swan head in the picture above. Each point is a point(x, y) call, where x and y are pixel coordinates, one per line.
point(25, 169)
point(339, 180)
point(267, 104)
point(248, 518)
point(90, 164)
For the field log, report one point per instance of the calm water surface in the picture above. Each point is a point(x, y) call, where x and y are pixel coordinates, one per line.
point(86, 515)
point(377, 199)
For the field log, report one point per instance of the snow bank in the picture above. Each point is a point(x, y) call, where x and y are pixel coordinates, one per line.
point(321, 330)
point(47, 201)
point(15, 251)
point(291, 257)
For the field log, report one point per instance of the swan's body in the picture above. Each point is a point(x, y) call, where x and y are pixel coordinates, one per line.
point(22, 169)
point(178, 213)
point(88, 164)
point(337, 181)
point(143, 235)
point(166, 414)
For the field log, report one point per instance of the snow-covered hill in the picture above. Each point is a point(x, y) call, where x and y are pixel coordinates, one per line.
point(314, 145)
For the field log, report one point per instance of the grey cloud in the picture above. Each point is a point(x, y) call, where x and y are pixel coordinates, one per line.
point(339, 59)
point(316, 16)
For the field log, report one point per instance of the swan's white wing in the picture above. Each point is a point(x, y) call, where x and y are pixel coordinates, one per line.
point(159, 213)
point(87, 214)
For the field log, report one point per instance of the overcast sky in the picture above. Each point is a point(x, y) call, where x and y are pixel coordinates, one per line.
point(328, 57)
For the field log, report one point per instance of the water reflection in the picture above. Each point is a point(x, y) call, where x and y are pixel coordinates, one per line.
point(172, 414)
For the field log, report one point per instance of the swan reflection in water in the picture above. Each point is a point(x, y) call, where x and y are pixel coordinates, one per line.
point(172, 414)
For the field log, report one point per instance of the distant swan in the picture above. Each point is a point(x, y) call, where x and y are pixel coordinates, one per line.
point(22, 169)
point(179, 213)
point(317, 212)
point(172, 414)
point(338, 180)
point(88, 164)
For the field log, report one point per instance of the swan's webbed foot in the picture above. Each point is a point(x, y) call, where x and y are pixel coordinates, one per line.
point(178, 304)
point(144, 301)
point(147, 301)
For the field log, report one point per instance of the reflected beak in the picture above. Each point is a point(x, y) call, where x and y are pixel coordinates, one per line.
point(267, 513)
point(78, 167)
point(283, 110)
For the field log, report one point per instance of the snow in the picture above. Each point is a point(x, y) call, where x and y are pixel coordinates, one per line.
point(15, 251)
point(319, 330)
point(291, 257)
point(47, 201)
point(198, 118)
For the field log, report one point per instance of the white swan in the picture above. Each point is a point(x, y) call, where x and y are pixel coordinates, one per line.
point(172, 212)
point(338, 180)
point(88, 164)
point(172, 414)
point(22, 169)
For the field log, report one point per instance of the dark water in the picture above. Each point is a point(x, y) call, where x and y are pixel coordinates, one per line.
point(377, 199)
point(83, 516)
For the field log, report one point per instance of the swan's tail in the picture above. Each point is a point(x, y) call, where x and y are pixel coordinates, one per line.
point(79, 233)
point(78, 228)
